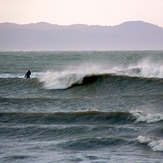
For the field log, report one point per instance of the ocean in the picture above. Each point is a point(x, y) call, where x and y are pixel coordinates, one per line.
point(81, 107)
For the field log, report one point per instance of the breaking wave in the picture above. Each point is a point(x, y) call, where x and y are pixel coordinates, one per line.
point(87, 74)
point(155, 143)
point(146, 117)
point(81, 75)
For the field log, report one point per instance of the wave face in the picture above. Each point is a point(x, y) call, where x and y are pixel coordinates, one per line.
point(88, 85)
point(91, 117)
point(87, 117)
point(155, 143)
point(84, 106)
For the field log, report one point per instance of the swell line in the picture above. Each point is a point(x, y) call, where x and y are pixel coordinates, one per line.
point(87, 117)
point(80, 117)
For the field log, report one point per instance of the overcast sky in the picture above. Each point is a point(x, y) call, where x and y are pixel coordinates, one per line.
point(91, 12)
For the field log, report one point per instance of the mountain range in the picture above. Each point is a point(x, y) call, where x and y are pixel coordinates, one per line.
point(132, 35)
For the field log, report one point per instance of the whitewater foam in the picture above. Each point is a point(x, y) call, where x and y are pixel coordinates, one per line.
point(156, 144)
point(8, 75)
point(19, 75)
point(147, 117)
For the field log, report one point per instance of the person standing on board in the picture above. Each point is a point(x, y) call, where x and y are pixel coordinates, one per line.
point(27, 75)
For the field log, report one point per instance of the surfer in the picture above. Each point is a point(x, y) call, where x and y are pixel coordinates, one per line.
point(27, 75)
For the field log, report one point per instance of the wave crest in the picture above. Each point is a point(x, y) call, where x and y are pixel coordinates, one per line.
point(60, 80)
point(68, 78)
point(146, 68)
point(146, 117)
point(156, 144)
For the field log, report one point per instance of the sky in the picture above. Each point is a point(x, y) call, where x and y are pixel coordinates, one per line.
point(91, 12)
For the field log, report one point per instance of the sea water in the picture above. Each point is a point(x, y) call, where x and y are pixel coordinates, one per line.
point(81, 106)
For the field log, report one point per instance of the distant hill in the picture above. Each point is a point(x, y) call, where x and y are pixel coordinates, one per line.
point(133, 35)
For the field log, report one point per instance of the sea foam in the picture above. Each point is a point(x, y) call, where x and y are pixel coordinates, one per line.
point(156, 144)
point(147, 117)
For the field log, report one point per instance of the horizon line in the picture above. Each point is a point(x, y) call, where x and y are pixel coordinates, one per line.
point(80, 23)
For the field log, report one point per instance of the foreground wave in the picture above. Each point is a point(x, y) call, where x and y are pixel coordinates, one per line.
point(86, 130)
point(155, 143)
point(86, 117)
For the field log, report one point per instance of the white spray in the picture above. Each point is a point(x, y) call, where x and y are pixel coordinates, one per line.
point(74, 75)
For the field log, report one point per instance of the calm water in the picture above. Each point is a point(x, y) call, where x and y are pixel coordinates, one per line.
point(84, 106)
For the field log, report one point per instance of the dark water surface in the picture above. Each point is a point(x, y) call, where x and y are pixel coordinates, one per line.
point(84, 106)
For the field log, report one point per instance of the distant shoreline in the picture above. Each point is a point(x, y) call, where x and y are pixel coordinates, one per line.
point(133, 35)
